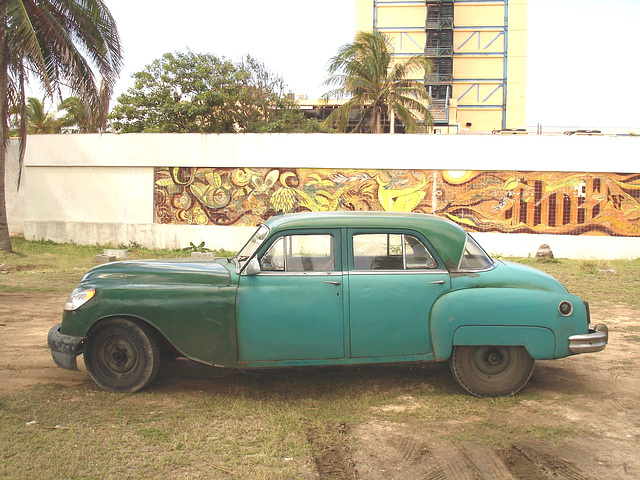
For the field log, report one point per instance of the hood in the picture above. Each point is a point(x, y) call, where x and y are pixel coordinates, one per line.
point(161, 272)
point(509, 275)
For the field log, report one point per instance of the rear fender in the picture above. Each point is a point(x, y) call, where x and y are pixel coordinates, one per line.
point(506, 316)
point(539, 342)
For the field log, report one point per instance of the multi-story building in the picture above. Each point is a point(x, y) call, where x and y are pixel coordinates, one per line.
point(478, 49)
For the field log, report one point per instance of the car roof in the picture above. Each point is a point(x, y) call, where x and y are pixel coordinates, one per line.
point(446, 237)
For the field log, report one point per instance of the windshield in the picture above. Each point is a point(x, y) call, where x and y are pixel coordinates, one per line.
point(252, 245)
point(474, 257)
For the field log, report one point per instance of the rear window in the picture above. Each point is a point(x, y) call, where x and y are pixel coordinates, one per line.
point(390, 251)
point(474, 257)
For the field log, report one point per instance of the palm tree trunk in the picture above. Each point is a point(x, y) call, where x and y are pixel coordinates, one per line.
point(377, 119)
point(5, 240)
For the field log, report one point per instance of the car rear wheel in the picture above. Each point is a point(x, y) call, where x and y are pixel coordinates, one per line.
point(122, 355)
point(491, 371)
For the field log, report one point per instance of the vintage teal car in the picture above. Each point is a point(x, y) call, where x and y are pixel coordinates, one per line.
point(337, 288)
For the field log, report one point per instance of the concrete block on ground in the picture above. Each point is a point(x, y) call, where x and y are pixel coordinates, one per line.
point(210, 255)
point(102, 258)
point(119, 254)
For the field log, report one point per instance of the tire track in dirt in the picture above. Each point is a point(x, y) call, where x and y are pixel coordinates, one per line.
point(329, 452)
point(468, 461)
point(539, 463)
point(387, 451)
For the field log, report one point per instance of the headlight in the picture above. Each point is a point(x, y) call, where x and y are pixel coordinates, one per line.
point(78, 298)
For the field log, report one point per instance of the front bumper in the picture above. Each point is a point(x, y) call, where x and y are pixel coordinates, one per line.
point(594, 341)
point(64, 348)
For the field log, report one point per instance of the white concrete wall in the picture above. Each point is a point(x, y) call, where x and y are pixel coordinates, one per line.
point(438, 152)
point(15, 198)
point(99, 188)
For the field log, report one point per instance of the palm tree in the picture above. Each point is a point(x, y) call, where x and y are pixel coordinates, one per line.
point(48, 40)
point(77, 115)
point(38, 120)
point(376, 85)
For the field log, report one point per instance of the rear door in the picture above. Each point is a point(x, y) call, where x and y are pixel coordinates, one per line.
point(394, 278)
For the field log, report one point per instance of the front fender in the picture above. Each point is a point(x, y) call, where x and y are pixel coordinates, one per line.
point(198, 320)
point(506, 316)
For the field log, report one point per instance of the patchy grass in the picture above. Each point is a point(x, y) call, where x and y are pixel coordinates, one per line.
point(46, 266)
point(614, 281)
point(269, 424)
point(265, 424)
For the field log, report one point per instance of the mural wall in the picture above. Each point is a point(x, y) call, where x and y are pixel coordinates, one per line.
point(486, 201)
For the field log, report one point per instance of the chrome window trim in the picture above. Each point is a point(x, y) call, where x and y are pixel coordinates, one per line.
point(412, 271)
point(240, 269)
point(270, 273)
point(477, 270)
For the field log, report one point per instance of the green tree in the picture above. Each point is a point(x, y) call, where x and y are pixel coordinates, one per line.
point(57, 42)
point(199, 92)
point(78, 117)
point(39, 120)
point(376, 85)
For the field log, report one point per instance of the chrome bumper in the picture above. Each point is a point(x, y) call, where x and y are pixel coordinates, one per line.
point(64, 348)
point(594, 341)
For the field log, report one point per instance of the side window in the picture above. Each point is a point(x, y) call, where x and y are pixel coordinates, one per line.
point(390, 251)
point(300, 253)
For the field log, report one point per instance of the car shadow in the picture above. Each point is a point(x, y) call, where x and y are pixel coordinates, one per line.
point(300, 382)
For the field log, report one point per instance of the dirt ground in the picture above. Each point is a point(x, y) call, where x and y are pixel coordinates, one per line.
point(603, 392)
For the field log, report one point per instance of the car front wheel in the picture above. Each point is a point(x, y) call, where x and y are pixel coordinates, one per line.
point(491, 371)
point(122, 355)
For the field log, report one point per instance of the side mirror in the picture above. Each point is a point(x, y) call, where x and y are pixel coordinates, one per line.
point(253, 267)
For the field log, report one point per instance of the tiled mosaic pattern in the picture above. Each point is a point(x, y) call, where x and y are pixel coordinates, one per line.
point(488, 201)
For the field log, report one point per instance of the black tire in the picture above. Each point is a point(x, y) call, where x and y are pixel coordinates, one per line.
point(491, 371)
point(122, 355)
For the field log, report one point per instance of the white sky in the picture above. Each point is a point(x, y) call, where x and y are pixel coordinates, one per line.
point(582, 54)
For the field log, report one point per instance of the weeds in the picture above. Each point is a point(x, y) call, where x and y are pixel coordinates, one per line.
point(591, 267)
point(200, 248)
point(133, 245)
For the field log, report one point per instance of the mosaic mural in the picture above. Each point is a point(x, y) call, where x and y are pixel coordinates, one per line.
point(487, 201)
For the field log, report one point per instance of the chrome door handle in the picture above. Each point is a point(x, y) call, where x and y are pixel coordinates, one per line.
point(437, 282)
point(332, 283)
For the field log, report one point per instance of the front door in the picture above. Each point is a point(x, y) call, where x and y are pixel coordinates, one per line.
point(393, 281)
point(293, 309)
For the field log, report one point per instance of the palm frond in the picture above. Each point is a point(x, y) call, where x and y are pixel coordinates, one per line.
point(366, 72)
point(57, 42)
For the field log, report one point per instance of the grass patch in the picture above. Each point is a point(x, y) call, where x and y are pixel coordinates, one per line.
point(251, 425)
point(254, 425)
point(596, 281)
point(46, 266)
